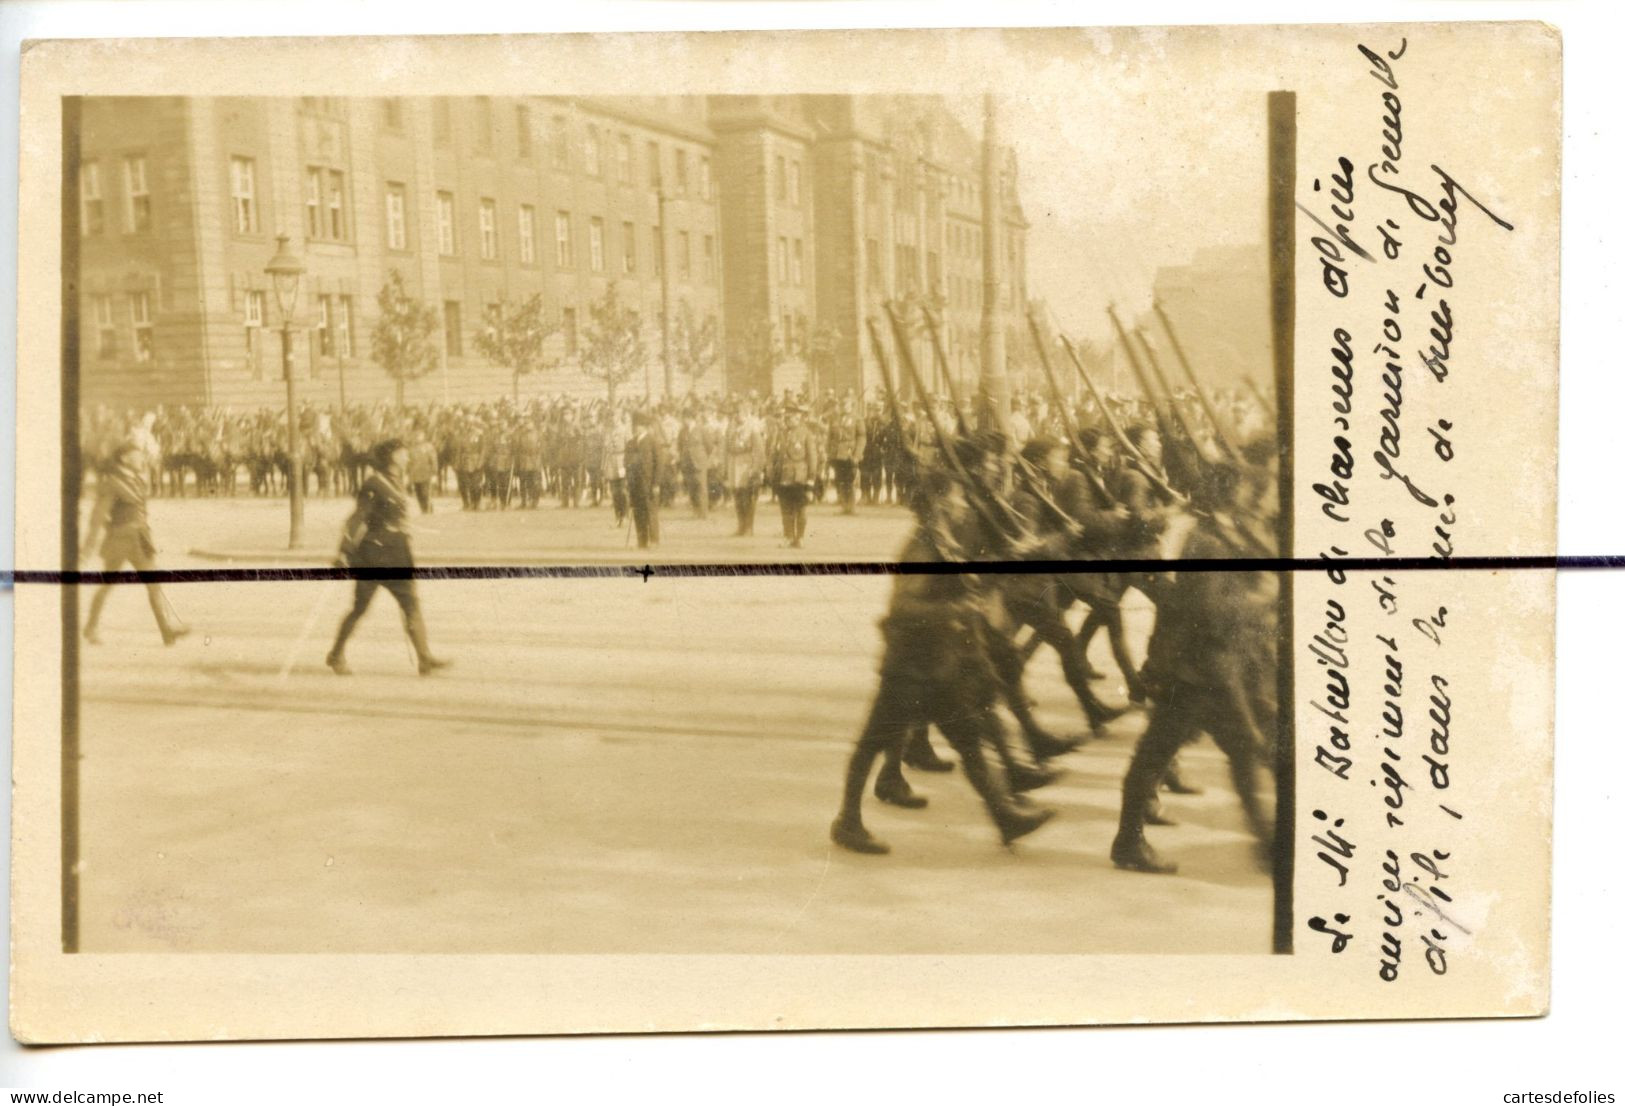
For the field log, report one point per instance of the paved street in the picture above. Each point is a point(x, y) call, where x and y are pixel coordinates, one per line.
point(610, 766)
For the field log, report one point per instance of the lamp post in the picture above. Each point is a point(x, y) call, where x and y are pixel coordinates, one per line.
point(285, 269)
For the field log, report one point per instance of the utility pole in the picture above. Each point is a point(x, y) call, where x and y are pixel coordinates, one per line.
point(995, 384)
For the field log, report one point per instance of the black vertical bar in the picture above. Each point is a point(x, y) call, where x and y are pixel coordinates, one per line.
point(71, 483)
point(1283, 156)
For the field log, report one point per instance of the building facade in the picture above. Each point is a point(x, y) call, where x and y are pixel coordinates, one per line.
point(777, 223)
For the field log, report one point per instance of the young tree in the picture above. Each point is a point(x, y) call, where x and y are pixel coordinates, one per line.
point(823, 350)
point(612, 350)
point(757, 353)
point(515, 337)
point(403, 338)
point(693, 344)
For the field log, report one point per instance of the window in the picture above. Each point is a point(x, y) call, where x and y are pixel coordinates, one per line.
point(527, 234)
point(659, 251)
point(335, 205)
point(521, 129)
point(324, 326)
point(683, 269)
point(784, 261)
point(708, 252)
point(446, 212)
point(629, 249)
point(102, 312)
point(141, 324)
point(568, 321)
point(654, 165)
point(90, 198)
point(253, 321)
point(561, 142)
point(595, 243)
point(394, 115)
point(486, 134)
point(564, 252)
point(781, 181)
point(592, 155)
point(245, 217)
point(453, 312)
point(442, 121)
point(795, 184)
point(395, 215)
point(681, 172)
point(705, 178)
point(488, 229)
point(623, 159)
point(313, 203)
point(344, 320)
point(795, 263)
point(137, 202)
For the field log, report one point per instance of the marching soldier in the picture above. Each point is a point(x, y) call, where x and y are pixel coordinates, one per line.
point(121, 514)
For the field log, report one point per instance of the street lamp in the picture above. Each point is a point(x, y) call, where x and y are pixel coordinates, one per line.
point(285, 269)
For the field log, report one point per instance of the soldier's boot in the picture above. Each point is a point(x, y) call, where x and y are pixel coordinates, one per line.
point(1174, 782)
point(97, 602)
point(419, 635)
point(918, 753)
point(1130, 850)
point(848, 830)
point(1013, 822)
point(891, 786)
point(170, 628)
point(335, 655)
point(1097, 712)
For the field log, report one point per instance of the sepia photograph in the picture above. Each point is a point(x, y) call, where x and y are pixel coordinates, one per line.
point(673, 532)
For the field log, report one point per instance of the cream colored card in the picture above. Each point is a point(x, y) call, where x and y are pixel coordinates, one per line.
point(612, 813)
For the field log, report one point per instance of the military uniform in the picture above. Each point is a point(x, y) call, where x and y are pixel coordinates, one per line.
point(646, 471)
point(528, 464)
point(121, 513)
point(470, 464)
point(746, 452)
point(846, 446)
point(798, 458)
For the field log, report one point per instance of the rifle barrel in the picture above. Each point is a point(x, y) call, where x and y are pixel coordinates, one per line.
point(1220, 429)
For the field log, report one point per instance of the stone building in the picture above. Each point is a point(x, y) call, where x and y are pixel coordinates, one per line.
point(781, 221)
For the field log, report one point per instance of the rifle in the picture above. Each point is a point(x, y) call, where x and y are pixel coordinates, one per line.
point(1173, 403)
point(1006, 519)
point(1089, 470)
point(1252, 386)
point(1220, 430)
point(947, 374)
point(1130, 453)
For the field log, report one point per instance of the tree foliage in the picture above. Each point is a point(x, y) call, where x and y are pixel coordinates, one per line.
point(403, 338)
point(612, 349)
point(515, 336)
point(693, 344)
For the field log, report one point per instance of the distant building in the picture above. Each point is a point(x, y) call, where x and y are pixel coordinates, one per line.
point(787, 220)
point(1219, 306)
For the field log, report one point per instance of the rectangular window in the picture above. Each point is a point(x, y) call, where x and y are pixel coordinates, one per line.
point(683, 261)
point(795, 184)
point(486, 122)
point(784, 261)
point(137, 202)
point(446, 212)
point(654, 165)
point(244, 212)
point(705, 178)
point(796, 263)
point(781, 180)
point(324, 325)
point(395, 215)
point(708, 251)
point(394, 116)
point(592, 155)
point(102, 312)
point(141, 324)
point(335, 205)
point(629, 249)
point(564, 251)
point(568, 321)
point(313, 203)
point(680, 171)
point(90, 198)
point(527, 234)
point(442, 121)
point(595, 244)
point(345, 322)
point(623, 159)
point(253, 321)
point(453, 318)
point(488, 229)
point(561, 142)
point(521, 129)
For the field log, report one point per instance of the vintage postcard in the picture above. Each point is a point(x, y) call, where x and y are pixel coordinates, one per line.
point(608, 533)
